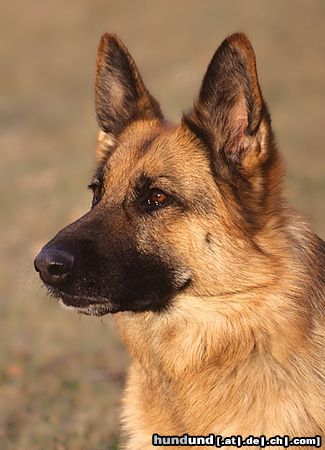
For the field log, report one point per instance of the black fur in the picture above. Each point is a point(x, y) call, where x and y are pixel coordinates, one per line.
point(112, 270)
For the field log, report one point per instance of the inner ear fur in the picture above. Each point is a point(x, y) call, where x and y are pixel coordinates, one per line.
point(120, 94)
point(230, 108)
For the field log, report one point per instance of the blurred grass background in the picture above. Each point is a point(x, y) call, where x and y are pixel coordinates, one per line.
point(61, 374)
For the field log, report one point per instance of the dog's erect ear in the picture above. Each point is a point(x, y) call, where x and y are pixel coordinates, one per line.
point(121, 96)
point(230, 108)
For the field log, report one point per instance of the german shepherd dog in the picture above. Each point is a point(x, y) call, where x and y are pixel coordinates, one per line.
point(217, 286)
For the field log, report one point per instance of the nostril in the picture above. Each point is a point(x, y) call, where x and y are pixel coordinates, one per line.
point(57, 269)
point(54, 265)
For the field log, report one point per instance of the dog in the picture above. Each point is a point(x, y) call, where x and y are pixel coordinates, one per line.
point(216, 284)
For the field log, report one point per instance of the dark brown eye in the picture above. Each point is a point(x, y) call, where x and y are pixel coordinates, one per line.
point(157, 198)
point(97, 193)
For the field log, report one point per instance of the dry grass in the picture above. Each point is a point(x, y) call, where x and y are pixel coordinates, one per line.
point(61, 374)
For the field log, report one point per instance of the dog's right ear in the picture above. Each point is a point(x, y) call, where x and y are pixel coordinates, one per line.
point(120, 95)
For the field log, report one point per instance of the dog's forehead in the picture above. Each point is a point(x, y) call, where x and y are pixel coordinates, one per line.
point(153, 149)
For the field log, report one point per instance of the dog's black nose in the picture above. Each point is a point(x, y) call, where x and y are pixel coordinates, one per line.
point(53, 265)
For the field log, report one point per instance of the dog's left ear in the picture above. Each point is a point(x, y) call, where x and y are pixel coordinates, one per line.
point(120, 94)
point(229, 112)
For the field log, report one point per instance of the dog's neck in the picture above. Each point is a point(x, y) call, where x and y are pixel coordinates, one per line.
point(207, 360)
point(198, 335)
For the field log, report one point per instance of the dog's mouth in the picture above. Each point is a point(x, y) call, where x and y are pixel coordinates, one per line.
point(96, 306)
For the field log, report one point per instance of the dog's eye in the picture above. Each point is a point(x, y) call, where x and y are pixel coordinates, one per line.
point(96, 196)
point(157, 198)
point(97, 193)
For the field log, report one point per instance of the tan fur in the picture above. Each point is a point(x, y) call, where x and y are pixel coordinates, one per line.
point(237, 347)
point(241, 356)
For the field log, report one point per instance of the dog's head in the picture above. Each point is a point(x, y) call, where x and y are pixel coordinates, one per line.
point(174, 208)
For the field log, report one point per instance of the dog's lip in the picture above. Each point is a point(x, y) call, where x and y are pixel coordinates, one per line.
point(75, 300)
